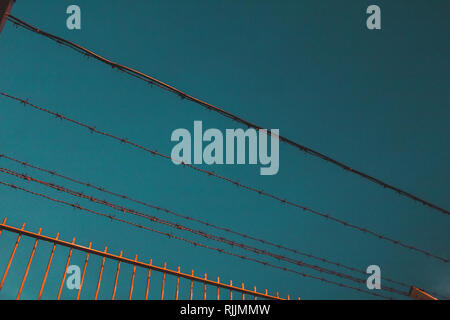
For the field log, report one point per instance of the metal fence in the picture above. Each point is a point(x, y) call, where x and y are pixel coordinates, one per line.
point(206, 284)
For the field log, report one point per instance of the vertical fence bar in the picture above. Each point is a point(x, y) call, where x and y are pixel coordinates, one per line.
point(100, 275)
point(192, 286)
point(84, 272)
point(178, 284)
point(278, 295)
point(163, 282)
point(28, 267)
point(243, 295)
point(204, 291)
point(65, 271)
point(11, 258)
point(117, 277)
point(132, 279)
point(218, 294)
point(255, 291)
point(48, 268)
point(148, 280)
point(231, 291)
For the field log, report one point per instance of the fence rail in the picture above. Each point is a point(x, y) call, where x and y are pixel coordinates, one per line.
point(120, 259)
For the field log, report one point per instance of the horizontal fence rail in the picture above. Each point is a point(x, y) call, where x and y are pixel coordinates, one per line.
point(106, 256)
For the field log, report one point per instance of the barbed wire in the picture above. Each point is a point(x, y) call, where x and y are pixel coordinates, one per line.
point(183, 95)
point(93, 129)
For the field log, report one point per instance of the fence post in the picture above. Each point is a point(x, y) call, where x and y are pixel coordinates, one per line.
point(5, 9)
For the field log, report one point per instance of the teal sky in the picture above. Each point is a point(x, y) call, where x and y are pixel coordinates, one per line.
point(376, 100)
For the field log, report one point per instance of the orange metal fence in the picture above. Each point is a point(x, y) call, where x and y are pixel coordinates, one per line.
point(105, 255)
